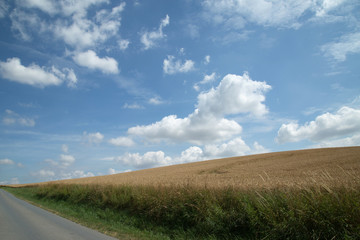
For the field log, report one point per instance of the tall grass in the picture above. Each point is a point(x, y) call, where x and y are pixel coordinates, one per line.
point(304, 213)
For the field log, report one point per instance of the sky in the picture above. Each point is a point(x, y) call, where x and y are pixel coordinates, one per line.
point(96, 87)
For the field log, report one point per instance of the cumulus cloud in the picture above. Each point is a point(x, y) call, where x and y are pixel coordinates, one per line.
point(234, 95)
point(44, 173)
point(326, 128)
point(347, 44)
point(80, 32)
point(172, 66)
point(93, 137)
point(150, 39)
point(122, 142)
point(35, 75)
point(149, 159)
point(66, 160)
point(12, 118)
point(75, 174)
point(234, 147)
point(90, 60)
point(70, 21)
point(193, 129)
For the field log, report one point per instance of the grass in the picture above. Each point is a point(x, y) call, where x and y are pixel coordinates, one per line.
point(307, 194)
point(161, 212)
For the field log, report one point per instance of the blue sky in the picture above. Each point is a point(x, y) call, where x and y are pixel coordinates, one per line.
point(94, 87)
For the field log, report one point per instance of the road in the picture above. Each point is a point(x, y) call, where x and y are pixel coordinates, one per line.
point(20, 220)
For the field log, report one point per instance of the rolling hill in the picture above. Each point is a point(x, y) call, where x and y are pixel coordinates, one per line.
point(291, 168)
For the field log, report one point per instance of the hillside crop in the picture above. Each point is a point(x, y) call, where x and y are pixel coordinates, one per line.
point(308, 194)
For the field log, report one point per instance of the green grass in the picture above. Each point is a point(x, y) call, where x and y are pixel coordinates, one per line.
point(200, 213)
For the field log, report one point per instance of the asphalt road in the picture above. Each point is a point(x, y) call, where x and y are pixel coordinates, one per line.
point(20, 220)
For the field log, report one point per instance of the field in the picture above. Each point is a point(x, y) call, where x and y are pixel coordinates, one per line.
point(302, 168)
point(307, 194)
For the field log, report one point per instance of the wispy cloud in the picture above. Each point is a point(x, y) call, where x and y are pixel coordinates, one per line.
point(150, 39)
point(346, 45)
point(13, 118)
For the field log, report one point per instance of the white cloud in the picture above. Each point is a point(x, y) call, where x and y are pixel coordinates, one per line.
point(235, 147)
point(90, 60)
point(132, 106)
point(76, 174)
point(149, 159)
point(206, 79)
point(234, 95)
point(155, 101)
point(32, 75)
point(6, 161)
point(12, 181)
point(44, 173)
point(4, 7)
point(22, 24)
point(326, 128)
point(193, 129)
point(324, 7)
point(192, 154)
point(113, 171)
point(66, 160)
point(44, 5)
point(65, 148)
point(78, 7)
point(172, 66)
point(70, 77)
point(235, 14)
point(347, 44)
point(150, 39)
point(207, 59)
point(122, 142)
point(51, 162)
point(342, 142)
point(93, 137)
point(123, 44)
point(12, 118)
point(67, 75)
point(69, 21)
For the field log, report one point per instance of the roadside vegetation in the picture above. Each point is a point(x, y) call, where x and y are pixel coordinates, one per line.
point(190, 212)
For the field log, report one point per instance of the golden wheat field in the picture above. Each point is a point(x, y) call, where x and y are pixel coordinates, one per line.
point(301, 168)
